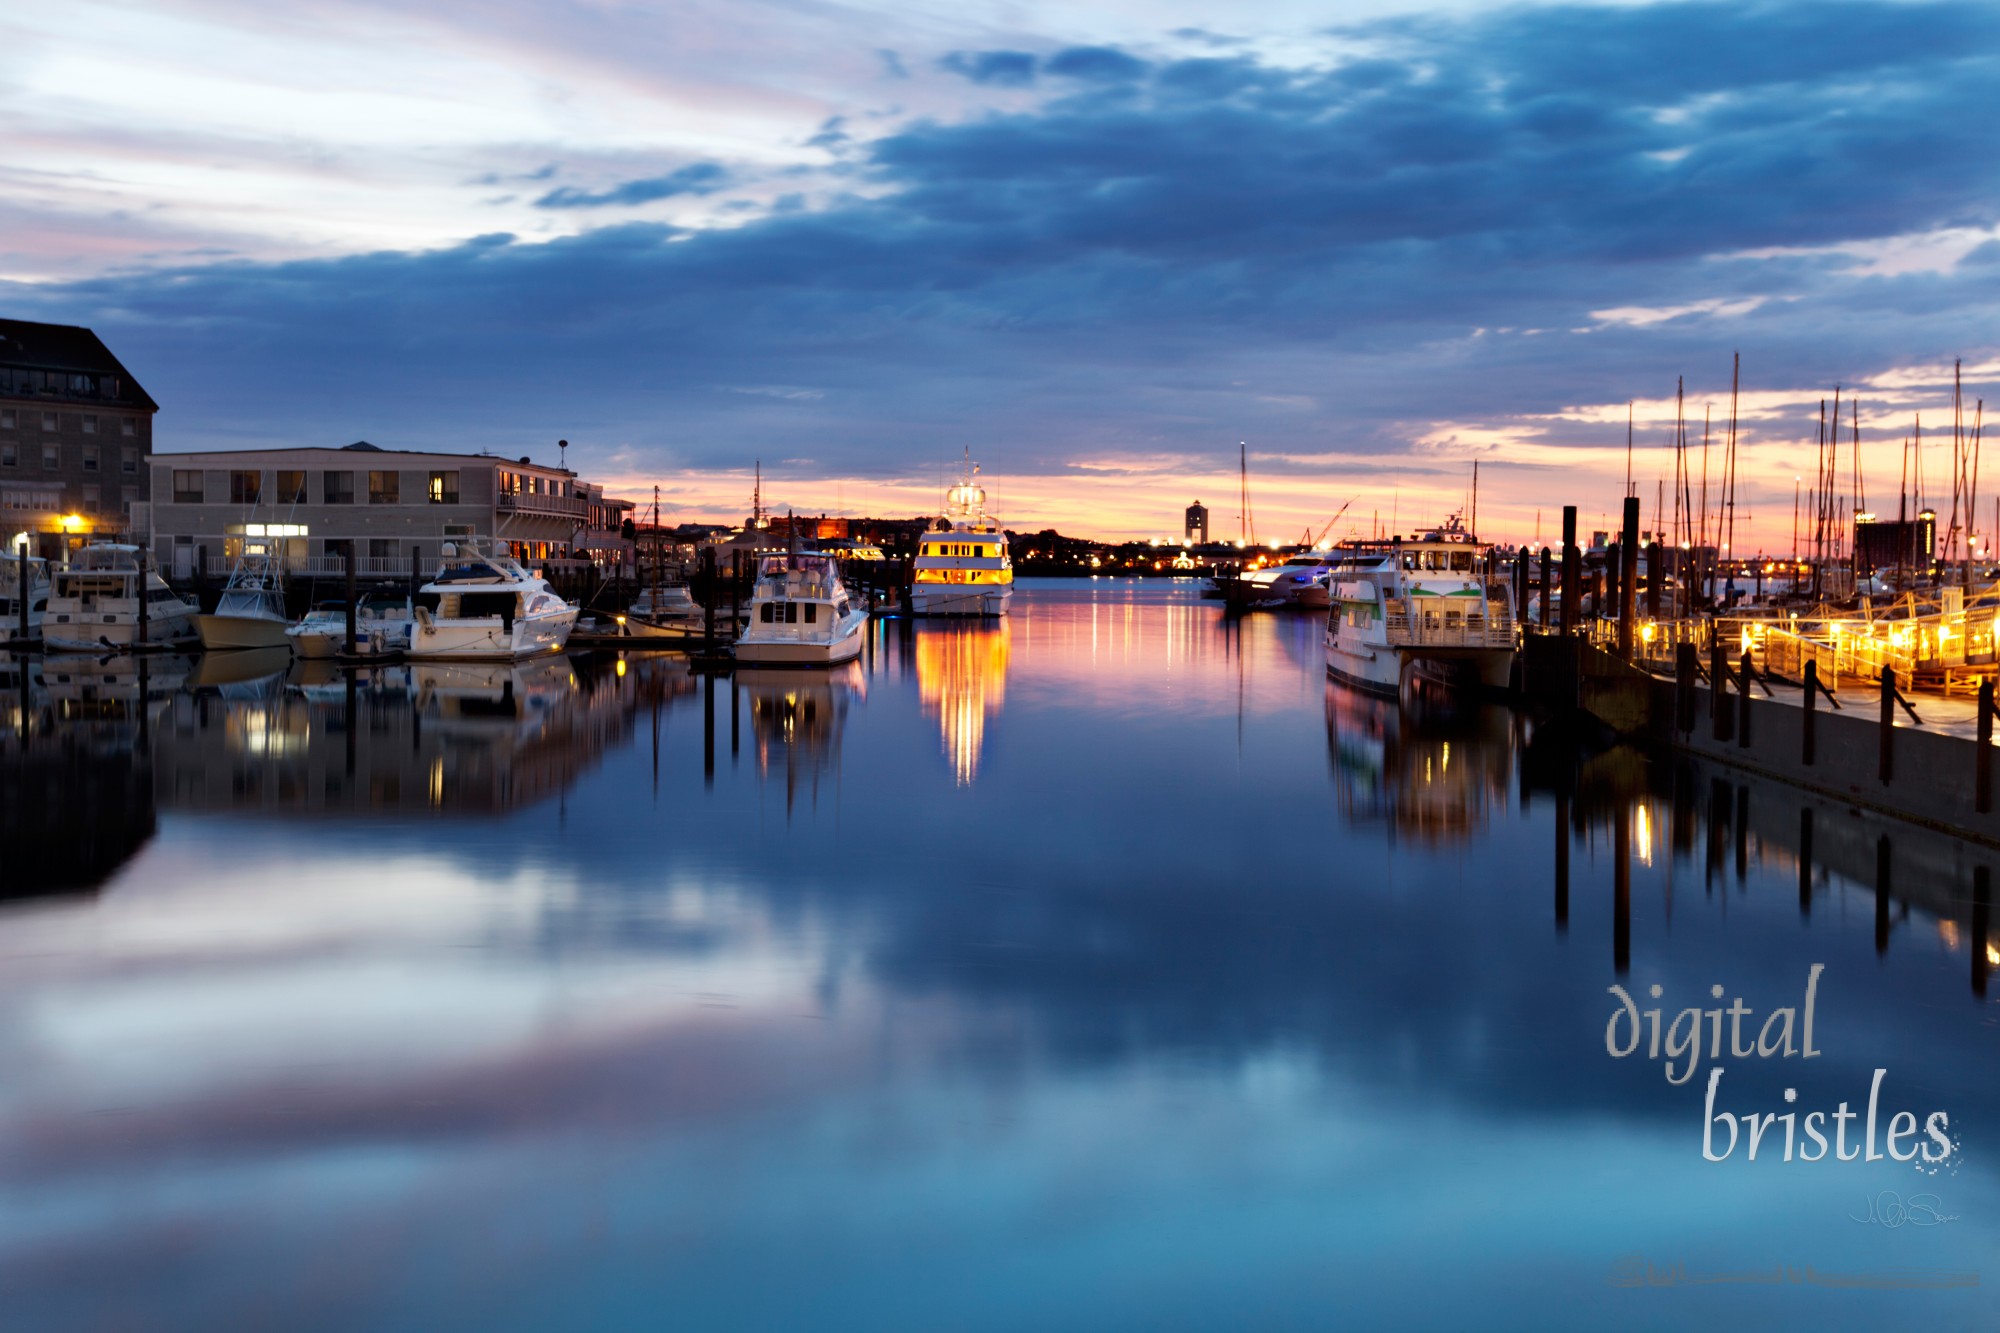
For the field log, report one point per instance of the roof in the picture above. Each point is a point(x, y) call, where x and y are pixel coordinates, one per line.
point(343, 454)
point(24, 343)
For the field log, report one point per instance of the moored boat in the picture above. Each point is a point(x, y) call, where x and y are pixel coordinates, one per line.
point(251, 610)
point(484, 604)
point(801, 614)
point(95, 605)
point(382, 626)
point(963, 568)
point(1422, 615)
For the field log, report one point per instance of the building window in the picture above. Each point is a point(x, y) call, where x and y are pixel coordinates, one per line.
point(381, 548)
point(90, 458)
point(7, 420)
point(48, 421)
point(291, 488)
point(385, 488)
point(83, 384)
point(125, 426)
point(246, 488)
point(187, 487)
point(51, 457)
point(128, 462)
point(444, 488)
point(90, 423)
point(92, 497)
point(10, 454)
point(337, 488)
point(128, 496)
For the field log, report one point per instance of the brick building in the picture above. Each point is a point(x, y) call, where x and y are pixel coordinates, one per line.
point(76, 431)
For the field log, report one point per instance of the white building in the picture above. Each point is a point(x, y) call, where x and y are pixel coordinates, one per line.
point(388, 503)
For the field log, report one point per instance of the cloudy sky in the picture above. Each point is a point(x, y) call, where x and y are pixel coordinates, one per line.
point(1098, 244)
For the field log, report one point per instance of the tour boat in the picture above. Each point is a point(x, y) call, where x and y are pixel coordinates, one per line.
point(94, 605)
point(483, 604)
point(251, 611)
point(801, 614)
point(963, 568)
point(1425, 613)
point(382, 627)
point(22, 580)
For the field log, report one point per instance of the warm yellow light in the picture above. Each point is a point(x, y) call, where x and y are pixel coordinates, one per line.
point(71, 522)
point(1646, 631)
point(621, 666)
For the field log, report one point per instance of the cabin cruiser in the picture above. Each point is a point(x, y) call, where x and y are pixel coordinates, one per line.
point(801, 614)
point(665, 610)
point(483, 604)
point(94, 604)
point(1425, 613)
point(382, 628)
point(963, 567)
point(22, 579)
point(251, 611)
point(1304, 579)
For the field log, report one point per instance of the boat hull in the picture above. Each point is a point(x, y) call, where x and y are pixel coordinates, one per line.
point(844, 647)
point(1396, 672)
point(947, 600)
point(488, 638)
point(220, 632)
point(66, 634)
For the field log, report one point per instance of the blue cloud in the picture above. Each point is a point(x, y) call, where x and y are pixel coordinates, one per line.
point(1096, 63)
point(1195, 251)
point(698, 178)
point(1008, 69)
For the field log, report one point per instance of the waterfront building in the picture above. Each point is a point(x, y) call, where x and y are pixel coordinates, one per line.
point(388, 503)
point(1196, 531)
point(76, 431)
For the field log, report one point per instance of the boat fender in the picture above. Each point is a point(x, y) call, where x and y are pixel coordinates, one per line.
point(423, 616)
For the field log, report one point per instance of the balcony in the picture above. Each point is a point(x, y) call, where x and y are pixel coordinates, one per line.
point(557, 506)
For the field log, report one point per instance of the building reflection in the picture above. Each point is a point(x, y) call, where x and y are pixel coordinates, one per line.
point(1433, 776)
point(436, 737)
point(76, 782)
point(961, 678)
point(796, 719)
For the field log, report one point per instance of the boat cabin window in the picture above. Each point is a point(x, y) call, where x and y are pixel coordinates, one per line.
point(812, 612)
point(473, 604)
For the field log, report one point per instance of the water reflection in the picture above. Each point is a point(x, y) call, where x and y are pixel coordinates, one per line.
point(961, 679)
point(796, 719)
point(1433, 777)
point(444, 737)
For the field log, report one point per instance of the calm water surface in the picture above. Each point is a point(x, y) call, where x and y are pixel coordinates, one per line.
point(1100, 969)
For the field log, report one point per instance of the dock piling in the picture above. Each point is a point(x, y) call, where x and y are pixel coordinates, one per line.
point(1982, 762)
point(1745, 673)
point(1808, 729)
point(347, 567)
point(1572, 573)
point(1628, 575)
point(26, 589)
point(1886, 760)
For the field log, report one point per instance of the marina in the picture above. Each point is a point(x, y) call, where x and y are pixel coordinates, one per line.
point(563, 939)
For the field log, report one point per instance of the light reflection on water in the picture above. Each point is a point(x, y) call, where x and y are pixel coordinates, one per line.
point(1105, 968)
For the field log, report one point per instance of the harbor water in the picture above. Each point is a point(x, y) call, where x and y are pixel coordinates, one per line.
point(1104, 967)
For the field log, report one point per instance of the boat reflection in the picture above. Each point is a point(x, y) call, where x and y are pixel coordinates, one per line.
point(1434, 777)
point(796, 718)
point(961, 678)
point(477, 738)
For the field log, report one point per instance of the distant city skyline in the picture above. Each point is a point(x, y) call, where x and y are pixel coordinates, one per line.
point(1099, 245)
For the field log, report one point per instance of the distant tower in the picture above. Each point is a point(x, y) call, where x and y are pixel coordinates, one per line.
point(1197, 523)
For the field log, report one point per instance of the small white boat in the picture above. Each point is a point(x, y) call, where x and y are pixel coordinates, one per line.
point(666, 610)
point(483, 604)
point(963, 568)
point(251, 611)
point(382, 627)
point(801, 614)
point(94, 605)
point(1304, 579)
point(20, 580)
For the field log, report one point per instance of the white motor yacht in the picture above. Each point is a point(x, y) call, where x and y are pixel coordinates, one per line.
point(1304, 579)
point(22, 581)
point(251, 611)
point(94, 604)
point(483, 604)
point(801, 614)
point(1408, 615)
point(963, 568)
point(382, 628)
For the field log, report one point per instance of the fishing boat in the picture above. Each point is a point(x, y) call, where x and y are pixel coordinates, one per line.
point(963, 567)
point(484, 604)
point(383, 623)
point(1420, 615)
point(801, 614)
point(251, 610)
point(22, 580)
point(94, 605)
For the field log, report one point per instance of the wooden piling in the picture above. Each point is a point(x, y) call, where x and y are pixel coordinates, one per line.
point(347, 566)
point(1744, 674)
point(1572, 581)
point(1982, 762)
point(1628, 573)
point(1542, 617)
point(1886, 759)
point(1808, 728)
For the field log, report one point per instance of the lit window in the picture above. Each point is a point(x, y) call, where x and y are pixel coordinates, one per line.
point(385, 488)
point(444, 488)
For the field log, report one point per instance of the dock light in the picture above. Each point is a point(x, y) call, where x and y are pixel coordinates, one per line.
point(1646, 631)
point(621, 620)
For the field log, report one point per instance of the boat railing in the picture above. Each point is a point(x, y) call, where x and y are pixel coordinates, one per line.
point(1434, 630)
